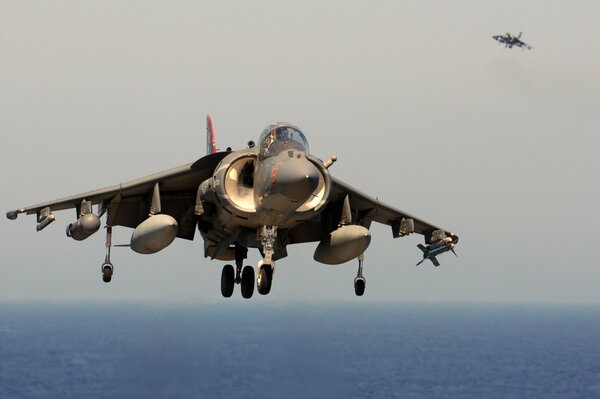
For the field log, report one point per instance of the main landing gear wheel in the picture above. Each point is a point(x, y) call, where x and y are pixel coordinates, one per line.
point(264, 280)
point(107, 272)
point(247, 282)
point(227, 281)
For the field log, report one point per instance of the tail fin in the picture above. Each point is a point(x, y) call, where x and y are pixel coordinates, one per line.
point(520, 33)
point(211, 146)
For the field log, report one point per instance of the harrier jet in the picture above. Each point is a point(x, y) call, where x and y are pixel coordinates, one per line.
point(509, 41)
point(266, 196)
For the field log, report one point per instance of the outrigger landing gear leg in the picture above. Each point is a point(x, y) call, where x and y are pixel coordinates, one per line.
point(107, 267)
point(359, 280)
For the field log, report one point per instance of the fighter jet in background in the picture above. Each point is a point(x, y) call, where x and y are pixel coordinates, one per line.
point(509, 41)
point(266, 197)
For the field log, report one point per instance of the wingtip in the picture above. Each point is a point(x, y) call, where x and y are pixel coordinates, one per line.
point(12, 215)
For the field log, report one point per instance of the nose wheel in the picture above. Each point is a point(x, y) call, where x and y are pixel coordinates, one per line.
point(265, 277)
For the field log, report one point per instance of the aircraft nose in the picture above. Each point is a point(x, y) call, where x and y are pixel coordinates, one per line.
point(297, 179)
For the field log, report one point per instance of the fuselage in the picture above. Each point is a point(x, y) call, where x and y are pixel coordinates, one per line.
point(277, 184)
point(509, 40)
point(283, 183)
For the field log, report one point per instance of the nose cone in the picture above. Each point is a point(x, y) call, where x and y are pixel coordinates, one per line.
point(297, 179)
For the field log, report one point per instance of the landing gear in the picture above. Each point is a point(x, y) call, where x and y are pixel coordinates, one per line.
point(247, 282)
point(268, 234)
point(359, 280)
point(231, 277)
point(265, 278)
point(359, 286)
point(245, 275)
point(227, 281)
point(241, 253)
point(266, 267)
point(107, 272)
point(107, 267)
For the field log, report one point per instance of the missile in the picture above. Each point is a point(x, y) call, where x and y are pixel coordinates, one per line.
point(438, 247)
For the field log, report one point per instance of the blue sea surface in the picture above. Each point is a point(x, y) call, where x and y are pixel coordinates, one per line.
point(332, 350)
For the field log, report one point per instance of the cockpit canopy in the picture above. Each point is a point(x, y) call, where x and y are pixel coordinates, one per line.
point(280, 137)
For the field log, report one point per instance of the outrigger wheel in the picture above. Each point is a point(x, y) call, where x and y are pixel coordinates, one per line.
point(359, 280)
point(107, 272)
point(359, 286)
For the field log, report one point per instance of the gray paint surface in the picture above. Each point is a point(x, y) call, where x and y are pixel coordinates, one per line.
point(421, 107)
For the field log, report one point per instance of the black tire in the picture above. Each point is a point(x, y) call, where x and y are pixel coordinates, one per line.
point(247, 282)
point(107, 274)
point(359, 287)
point(266, 278)
point(227, 281)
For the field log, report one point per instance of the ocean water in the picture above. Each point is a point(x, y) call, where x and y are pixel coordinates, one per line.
point(340, 350)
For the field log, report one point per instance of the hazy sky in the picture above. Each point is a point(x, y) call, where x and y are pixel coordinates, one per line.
point(423, 109)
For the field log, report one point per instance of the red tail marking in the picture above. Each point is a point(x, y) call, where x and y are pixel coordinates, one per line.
point(211, 146)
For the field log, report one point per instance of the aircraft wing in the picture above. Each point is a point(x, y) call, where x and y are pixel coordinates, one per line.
point(364, 210)
point(130, 202)
point(519, 43)
point(368, 209)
